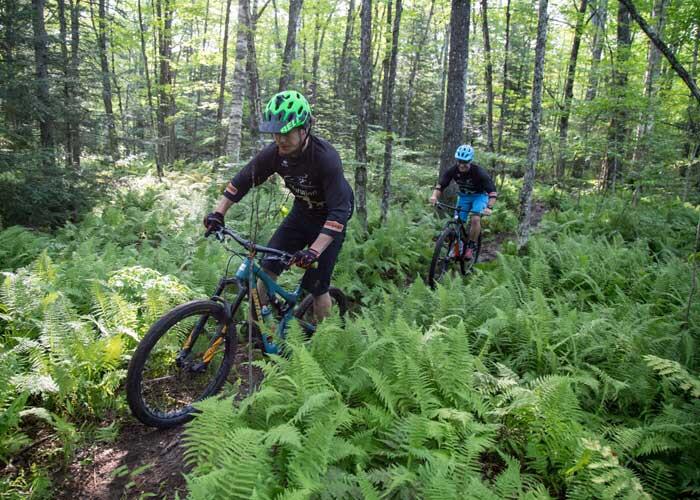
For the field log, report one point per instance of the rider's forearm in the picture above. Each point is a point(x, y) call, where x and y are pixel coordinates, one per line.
point(223, 205)
point(321, 242)
point(492, 200)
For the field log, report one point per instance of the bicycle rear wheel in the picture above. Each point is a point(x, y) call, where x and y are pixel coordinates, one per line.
point(184, 358)
point(443, 257)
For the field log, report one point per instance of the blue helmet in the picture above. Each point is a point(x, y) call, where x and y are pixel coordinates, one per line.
point(464, 153)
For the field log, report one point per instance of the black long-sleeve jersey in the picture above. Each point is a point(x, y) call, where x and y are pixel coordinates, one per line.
point(474, 180)
point(315, 178)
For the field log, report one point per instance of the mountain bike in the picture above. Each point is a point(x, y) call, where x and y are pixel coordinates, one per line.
point(450, 247)
point(187, 354)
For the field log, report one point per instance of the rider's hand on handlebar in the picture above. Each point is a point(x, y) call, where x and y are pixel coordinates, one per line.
point(433, 200)
point(305, 258)
point(213, 221)
point(487, 211)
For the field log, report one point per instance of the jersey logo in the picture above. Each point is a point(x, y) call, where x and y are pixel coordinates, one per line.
point(334, 225)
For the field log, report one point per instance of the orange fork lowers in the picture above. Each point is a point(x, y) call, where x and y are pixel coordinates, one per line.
point(209, 353)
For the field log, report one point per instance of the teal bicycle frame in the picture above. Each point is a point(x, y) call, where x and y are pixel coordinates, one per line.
point(249, 286)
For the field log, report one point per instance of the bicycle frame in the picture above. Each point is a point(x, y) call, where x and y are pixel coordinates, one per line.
point(244, 277)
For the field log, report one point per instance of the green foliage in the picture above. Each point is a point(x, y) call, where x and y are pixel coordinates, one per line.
point(546, 365)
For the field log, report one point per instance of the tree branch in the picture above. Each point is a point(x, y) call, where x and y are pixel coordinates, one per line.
point(654, 37)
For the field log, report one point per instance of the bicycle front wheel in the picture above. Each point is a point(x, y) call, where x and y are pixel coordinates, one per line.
point(468, 264)
point(184, 358)
point(444, 256)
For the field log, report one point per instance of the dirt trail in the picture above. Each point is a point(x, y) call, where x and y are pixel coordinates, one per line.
point(151, 461)
point(142, 461)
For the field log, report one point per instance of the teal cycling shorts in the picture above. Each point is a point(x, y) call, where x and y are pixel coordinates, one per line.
point(476, 203)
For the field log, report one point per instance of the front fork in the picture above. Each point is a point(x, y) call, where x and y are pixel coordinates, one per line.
point(216, 340)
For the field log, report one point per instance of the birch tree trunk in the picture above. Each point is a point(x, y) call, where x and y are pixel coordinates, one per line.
point(569, 90)
point(533, 146)
point(363, 113)
point(389, 122)
point(235, 119)
point(290, 46)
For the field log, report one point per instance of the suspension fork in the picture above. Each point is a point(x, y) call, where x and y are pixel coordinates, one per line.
point(194, 334)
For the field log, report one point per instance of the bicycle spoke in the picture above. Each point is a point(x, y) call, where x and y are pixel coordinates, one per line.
point(172, 382)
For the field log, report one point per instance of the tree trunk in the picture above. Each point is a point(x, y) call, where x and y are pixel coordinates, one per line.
point(74, 84)
point(504, 92)
point(389, 122)
point(341, 84)
point(456, 82)
point(235, 120)
point(363, 113)
point(533, 146)
point(101, 34)
point(166, 127)
point(65, 67)
point(653, 65)
point(278, 41)
point(612, 164)
point(253, 78)
point(117, 88)
point(410, 92)
point(290, 46)
point(220, 131)
point(319, 37)
point(147, 72)
point(387, 59)
point(41, 55)
point(693, 124)
point(444, 62)
point(489, 81)
point(599, 17)
point(569, 90)
point(200, 73)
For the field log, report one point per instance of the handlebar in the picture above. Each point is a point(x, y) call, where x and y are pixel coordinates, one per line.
point(222, 233)
point(440, 204)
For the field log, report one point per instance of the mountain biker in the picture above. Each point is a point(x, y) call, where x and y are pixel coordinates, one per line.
point(477, 192)
point(314, 229)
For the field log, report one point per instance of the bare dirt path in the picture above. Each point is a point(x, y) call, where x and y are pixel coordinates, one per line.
point(142, 463)
point(149, 463)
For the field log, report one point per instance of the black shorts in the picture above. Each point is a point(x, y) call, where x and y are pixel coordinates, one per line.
point(297, 231)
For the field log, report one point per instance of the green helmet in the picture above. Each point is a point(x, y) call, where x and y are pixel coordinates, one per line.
point(285, 111)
